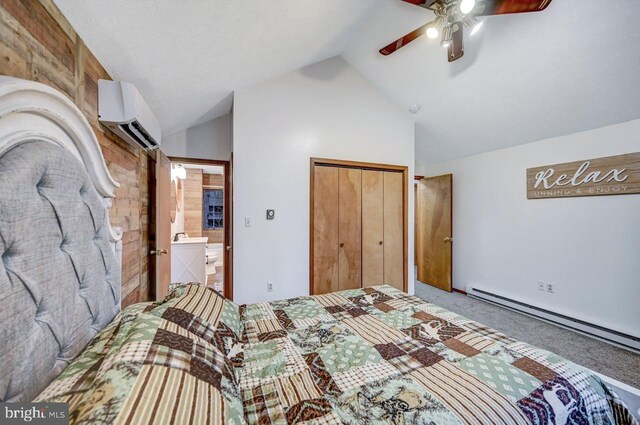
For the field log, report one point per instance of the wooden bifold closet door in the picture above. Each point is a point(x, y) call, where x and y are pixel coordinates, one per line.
point(393, 230)
point(357, 228)
point(372, 228)
point(325, 234)
point(349, 224)
point(382, 229)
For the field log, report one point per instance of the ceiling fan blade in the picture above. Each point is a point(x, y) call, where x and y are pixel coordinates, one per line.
point(427, 4)
point(392, 47)
point(456, 49)
point(502, 7)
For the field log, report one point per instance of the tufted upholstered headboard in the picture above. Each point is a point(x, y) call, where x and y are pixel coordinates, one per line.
point(60, 258)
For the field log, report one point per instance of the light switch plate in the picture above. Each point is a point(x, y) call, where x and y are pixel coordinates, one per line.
point(247, 222)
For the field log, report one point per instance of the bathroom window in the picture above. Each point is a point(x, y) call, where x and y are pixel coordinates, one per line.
point(213, 205)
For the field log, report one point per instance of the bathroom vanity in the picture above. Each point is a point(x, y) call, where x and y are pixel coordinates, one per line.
point(188, 260)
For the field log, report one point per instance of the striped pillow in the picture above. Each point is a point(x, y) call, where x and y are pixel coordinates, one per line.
point(207, 314)
point(164, 362)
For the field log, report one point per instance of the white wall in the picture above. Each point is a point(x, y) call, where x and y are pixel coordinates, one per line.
point(325, 110)
point(589, 246)
point(209, 140)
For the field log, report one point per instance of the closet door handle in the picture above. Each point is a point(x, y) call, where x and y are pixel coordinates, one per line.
point(380, 243)
point(342, 245)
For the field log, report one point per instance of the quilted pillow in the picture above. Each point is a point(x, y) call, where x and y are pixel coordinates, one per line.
point(207, 314)
point(163, 362)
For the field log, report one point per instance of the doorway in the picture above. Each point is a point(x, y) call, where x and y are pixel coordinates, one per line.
point(201, 228)
point(434, 231)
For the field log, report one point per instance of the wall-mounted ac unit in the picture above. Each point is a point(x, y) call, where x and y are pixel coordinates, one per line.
point(123, 110)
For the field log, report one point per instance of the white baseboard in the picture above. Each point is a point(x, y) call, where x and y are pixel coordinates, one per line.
point(629, 342)
point(630, 395)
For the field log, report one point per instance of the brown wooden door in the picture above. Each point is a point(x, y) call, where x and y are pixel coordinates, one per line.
point(435, 240)
point(162, 249)
point(325, 230)
point(416, 223)
point(228, 230)
point(350, 228)
point(372, 228)
point(393, 230)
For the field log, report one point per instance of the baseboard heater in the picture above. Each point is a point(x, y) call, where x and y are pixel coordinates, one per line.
point(623, 340)
point(629, 394)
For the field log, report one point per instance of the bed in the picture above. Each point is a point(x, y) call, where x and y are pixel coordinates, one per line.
point(373, 355)
point(365, 356)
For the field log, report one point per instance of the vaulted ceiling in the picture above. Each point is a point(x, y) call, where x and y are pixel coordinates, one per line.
point(187, 57)
point(526, 77)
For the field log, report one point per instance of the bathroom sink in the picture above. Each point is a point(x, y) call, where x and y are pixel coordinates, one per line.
point(190, 240)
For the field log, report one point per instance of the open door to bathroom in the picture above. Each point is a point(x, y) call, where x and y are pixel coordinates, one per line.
point(160, 247)
point(206, 213)
point(228, 251)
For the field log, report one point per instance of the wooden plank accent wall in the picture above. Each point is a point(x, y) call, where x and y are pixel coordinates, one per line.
point(192, 187)
point(37, 43)
point(213, 180)
point(215, 236)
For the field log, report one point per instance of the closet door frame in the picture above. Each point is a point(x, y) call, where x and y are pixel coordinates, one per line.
point(315, 162)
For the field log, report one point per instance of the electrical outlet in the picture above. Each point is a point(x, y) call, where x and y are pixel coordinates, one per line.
point(247, 222)
point(269, 286)
point(550, 287)
point(542, 286)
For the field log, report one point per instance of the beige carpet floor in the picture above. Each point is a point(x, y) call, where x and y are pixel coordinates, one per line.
point(594, 354)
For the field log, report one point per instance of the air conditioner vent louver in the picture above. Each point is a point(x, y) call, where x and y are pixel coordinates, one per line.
point(137, 133)
point(125, 112)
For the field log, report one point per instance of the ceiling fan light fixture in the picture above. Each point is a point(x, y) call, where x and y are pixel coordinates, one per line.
point(466, 6)
point(472, 23)
point(447, 36)
point(433, 31)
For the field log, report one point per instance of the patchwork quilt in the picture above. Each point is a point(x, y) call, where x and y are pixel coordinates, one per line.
point(367, 356)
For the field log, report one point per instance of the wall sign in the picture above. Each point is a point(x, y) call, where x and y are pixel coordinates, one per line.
point(613, 175)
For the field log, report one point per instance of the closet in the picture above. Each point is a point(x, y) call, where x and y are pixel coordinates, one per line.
point(358, 223)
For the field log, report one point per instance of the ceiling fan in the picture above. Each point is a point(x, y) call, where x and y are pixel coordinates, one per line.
point(453, 15)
